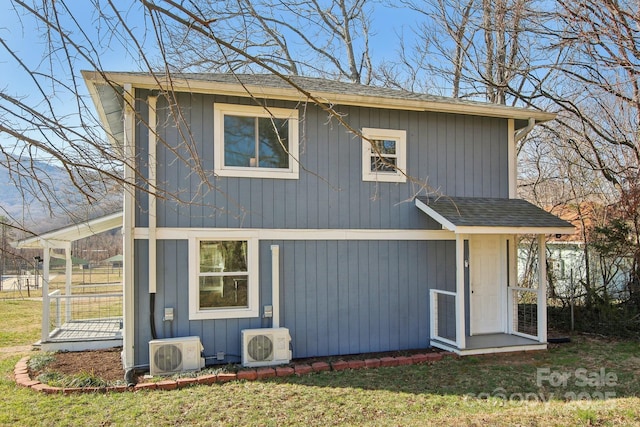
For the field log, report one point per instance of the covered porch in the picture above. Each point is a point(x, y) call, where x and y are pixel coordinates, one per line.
point(82, 321)
point(489, 309)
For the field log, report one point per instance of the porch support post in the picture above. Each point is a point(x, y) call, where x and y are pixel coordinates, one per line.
point(542, 289)
point(512, 282)
point(68, 271)
point(45, 294)
point(461, 331)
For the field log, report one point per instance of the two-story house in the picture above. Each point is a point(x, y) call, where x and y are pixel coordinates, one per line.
point(375, 220)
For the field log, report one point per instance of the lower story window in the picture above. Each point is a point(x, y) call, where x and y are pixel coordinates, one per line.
point(223, 281)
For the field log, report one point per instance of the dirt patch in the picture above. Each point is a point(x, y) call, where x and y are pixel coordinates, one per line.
point(107, 364)
point(16, 349)
point(104, 364)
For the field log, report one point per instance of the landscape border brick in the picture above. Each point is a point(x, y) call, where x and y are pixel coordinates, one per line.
point(372, 363)
point(404, 361)
point(303, 369)
point(266, 373)
point(248, 375)
point(320, 366)
point(356, 364)
point(284, 371)
point(388, 362)
point(22, 376)
point(339, 365)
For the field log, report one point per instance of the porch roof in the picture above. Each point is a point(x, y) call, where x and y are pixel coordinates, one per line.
point(481, 215)
point(57, 238)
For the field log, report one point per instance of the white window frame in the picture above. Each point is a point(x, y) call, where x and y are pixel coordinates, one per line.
point(253, 291)
point(400, 137)
point(220, 110)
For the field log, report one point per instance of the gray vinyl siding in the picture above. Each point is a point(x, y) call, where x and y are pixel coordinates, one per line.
point(337, 297)
point(458, 155)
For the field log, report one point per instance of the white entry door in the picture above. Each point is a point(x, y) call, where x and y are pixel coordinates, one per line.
point(487, 275)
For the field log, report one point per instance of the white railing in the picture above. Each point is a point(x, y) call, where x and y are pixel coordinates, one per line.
point(443, 310)
point(78, 308)
point(524, 312)
point(54, 296)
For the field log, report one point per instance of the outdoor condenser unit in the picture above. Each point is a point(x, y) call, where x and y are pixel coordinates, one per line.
point(265, 347)
point(171, 355)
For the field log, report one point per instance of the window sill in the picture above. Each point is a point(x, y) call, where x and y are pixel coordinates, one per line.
point(257, 173)
point(384, 178)
point(224, 313)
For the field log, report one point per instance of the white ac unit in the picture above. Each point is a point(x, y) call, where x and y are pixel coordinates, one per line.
point(171, 355)
point(265, 347)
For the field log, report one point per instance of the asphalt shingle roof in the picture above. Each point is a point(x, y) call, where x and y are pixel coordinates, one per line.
point(492, 212)
point(316, 85)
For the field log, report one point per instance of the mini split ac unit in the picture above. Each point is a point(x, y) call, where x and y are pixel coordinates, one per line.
point(171, 355)
point(265, 347)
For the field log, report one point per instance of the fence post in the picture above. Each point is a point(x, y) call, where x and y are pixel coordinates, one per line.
point(572, 302)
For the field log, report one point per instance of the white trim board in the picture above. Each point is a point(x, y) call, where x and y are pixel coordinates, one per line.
point(166, 233)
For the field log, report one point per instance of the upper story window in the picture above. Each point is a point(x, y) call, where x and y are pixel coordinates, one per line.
point(384, 155)
point(255, 142)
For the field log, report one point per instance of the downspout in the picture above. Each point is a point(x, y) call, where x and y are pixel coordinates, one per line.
point(515, 136)
point(152, 164)
point(275, 285)
point(522, 132)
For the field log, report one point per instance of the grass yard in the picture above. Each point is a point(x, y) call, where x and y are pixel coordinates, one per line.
point(20, 322)
point(520, 389)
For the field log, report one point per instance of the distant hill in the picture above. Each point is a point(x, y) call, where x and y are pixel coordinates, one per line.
point(51, 201)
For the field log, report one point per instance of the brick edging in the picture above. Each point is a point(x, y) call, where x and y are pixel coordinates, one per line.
point(22, 378)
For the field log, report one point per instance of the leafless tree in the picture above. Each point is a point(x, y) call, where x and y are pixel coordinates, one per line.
point(481, 48)
point(600, 91)
point(301, 37)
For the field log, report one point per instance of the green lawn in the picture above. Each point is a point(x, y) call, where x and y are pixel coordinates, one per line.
point(468, 391)
point(20, 322)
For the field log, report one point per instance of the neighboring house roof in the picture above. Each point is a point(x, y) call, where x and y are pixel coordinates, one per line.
point(115, 258)
point(476, 215)
point(57, 238)
point(107, 87)
point(585, 217)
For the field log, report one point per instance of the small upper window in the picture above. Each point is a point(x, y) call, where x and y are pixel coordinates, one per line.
point(384, 155)
point(255, 141)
